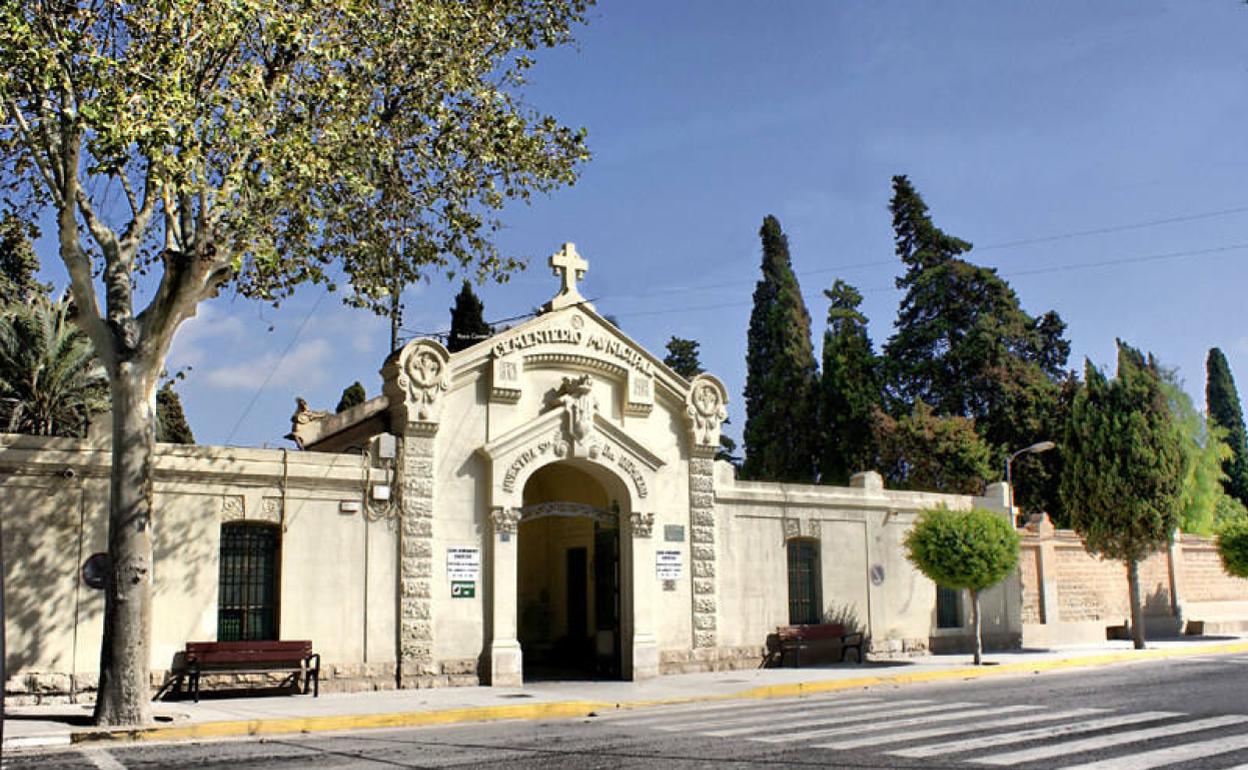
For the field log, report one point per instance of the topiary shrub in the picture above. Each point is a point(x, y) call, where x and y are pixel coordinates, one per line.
point(970, 550)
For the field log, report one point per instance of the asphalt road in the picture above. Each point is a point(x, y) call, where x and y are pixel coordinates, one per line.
point(1190, 713)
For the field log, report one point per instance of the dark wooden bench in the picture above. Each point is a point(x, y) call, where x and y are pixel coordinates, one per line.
point(795, 639)
point(253, 657)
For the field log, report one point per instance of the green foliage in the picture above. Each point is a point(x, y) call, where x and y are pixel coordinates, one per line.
point(682, 357)
point(1233, 547)
point(468, 326)
point(1222, 402)
point(964, 345)
point(50, 380)
point(1204, 452)
point(1124, 461)
point(849, 389)
point(780, 381)
point(972, 549)
point(18, 261)
point(171, 424)
point(924, 451)
point(352, 395)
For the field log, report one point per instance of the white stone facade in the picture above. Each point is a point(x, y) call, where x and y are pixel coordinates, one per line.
point(571, 464)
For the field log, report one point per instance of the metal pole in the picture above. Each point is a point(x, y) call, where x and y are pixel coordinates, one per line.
point(3, 651)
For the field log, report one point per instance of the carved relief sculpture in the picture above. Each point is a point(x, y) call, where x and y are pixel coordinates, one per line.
point(575, 395)
point(415, 379)
point(642, 524)
point(505, 520)
point(707, 408)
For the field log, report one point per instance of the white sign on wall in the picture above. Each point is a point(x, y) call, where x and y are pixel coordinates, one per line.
point(669, 565)
point(463, 564)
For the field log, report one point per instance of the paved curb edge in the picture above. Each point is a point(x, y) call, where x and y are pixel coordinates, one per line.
point(580, 708)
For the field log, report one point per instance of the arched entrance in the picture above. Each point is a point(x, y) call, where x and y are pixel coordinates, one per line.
point(568, 582)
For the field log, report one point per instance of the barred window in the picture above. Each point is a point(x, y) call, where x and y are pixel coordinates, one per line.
point(804, 600)
point(948, 607)
point(248, 594)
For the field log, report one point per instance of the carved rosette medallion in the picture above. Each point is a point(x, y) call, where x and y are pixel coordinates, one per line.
point(415, 379)
point(641, 524)
point(706, 407)
point(232, 508)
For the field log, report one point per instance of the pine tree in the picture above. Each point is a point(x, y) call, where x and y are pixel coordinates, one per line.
point(468, 326)
point(352, 395)
point(171, 424)
point(1222, 402)
point(1123, 478)
point(682, 357)
point(780, 383)
point(965, 346)
point(927, 452)
point(849, 389)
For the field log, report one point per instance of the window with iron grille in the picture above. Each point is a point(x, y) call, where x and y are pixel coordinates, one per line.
point(804, 604)
point(948, 607)
point(248, 596)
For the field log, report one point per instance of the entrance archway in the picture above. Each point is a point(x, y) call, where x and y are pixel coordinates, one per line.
point(569, 598)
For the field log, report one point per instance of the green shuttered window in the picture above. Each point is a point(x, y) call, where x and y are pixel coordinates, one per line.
point(248, 596)
point(804, 604)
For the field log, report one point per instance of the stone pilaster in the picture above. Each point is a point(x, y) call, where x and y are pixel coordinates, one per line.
point(706, 409)
point(506, 657)
point(416, 659)
point(702, 547)
point(414, 379)
point(644, 661)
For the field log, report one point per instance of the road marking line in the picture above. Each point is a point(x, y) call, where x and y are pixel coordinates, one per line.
point(1043, 733)
point(1105, 741)
point(837, 717)
point(102, 759)
point(944, 716)
point(1170, 754)
point(940, 732)
point(829, 711)
point(693, 710)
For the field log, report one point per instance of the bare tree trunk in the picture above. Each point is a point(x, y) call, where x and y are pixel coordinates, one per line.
point(979, 639)
point(125, 653)
point(1137, 613)
point(4, 676)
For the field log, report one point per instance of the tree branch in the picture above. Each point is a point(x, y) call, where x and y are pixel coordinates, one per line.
point(47, 171)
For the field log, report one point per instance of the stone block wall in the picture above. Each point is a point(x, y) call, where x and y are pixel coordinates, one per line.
point(1066, 587)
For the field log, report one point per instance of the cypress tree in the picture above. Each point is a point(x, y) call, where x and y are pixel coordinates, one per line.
point(171, 424)
point(780, 382)
point(1124, 470)
point(18, 261)
point(849, 389)
point(352, 395)
point(468, 326)
point(1222, 402)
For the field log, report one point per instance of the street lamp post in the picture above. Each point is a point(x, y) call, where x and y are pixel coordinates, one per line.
point(1039, 446)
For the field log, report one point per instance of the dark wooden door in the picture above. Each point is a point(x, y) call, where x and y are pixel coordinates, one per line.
point(578, 595)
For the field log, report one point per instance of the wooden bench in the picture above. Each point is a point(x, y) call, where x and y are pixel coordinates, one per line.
point(794, 639)
point(253, 657)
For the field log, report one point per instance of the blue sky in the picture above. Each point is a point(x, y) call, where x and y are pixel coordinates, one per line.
point(1031, 122)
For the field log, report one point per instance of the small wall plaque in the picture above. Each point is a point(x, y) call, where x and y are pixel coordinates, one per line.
point(877, 574)
point(674, 533)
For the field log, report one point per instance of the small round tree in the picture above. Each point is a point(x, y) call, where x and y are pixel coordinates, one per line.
point(970, 550)
point(1233, 547)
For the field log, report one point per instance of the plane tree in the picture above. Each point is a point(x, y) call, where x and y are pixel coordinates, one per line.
point(184, 146)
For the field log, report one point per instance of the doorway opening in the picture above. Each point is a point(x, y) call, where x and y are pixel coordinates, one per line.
point(568, 577)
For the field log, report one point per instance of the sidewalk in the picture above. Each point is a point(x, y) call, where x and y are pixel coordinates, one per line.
point(34, 727)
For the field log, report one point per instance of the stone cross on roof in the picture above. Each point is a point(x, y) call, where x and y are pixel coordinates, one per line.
point(570, 267)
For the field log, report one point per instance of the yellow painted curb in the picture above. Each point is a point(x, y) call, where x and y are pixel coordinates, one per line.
point(580, 708)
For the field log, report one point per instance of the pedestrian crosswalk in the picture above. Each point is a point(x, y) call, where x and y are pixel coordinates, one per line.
point(973, 733)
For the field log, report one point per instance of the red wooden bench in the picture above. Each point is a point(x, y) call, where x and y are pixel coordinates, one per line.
point(253, 657)
point(794, 639)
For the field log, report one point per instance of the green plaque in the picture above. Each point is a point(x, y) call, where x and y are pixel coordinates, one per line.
point(463, 589)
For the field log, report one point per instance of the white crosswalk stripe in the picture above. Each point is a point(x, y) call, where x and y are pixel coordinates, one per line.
point(960, 733)
point(1038, 734)
point(946, 714)
point(861, 712)
point(1169, 755)
point(943, 731)
point(695, 710)
point(1066, 748)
